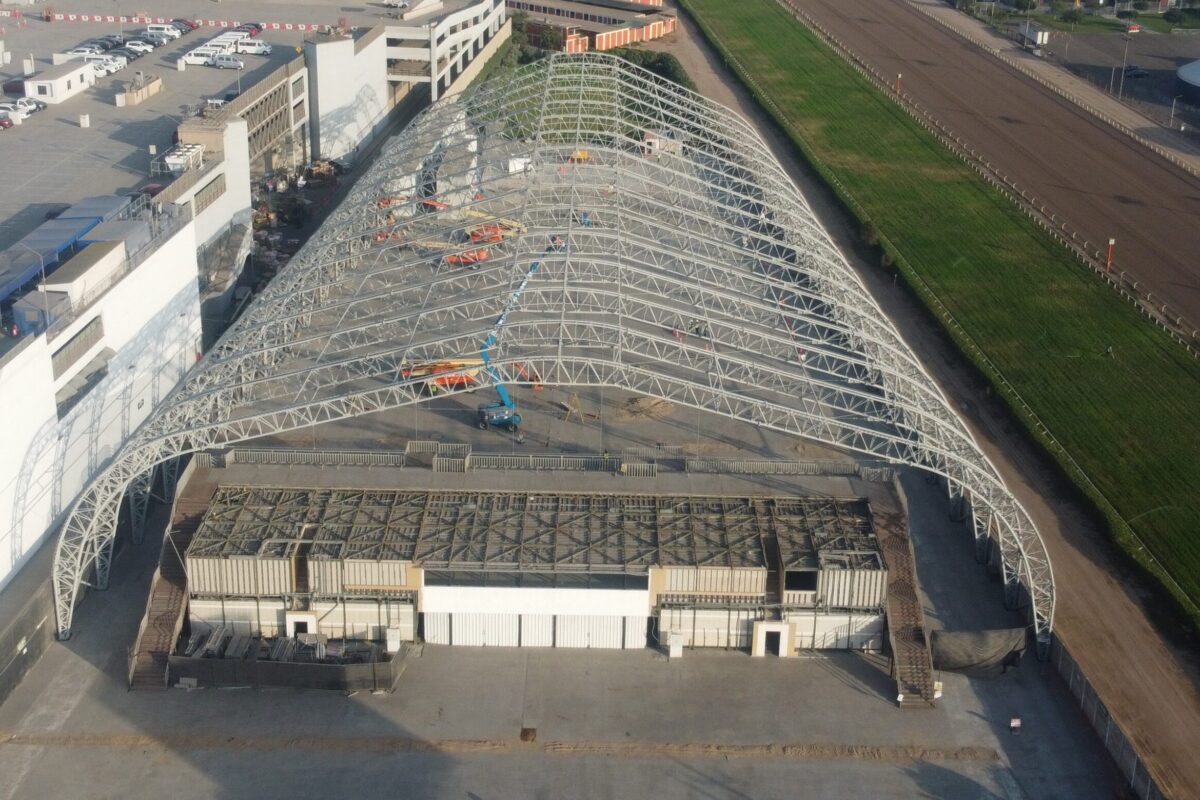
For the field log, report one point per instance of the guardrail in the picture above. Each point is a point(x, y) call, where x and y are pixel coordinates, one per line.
point(447, 457)
point(1116, 742)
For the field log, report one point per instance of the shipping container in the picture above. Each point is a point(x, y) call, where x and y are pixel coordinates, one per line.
point(239, 576)
point(716, 580)
point(710, 627)
point(537, 630)
point(572, 630)
point(852, 588)
point(335, 576)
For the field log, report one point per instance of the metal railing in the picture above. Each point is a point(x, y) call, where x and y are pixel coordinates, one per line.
point(162, 228)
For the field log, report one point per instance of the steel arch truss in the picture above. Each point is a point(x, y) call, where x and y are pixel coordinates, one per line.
point(691, 269)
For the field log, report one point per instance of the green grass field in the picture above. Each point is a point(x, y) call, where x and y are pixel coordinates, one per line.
point(1094, 23)
point(1130, 420)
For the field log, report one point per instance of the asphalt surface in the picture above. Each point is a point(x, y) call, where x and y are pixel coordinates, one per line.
point(1097, 180)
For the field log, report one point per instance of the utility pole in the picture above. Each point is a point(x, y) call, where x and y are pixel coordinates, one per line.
point(1124, 58)
point(1171, 124)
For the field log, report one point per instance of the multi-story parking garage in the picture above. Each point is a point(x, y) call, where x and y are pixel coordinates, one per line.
point(583, 225)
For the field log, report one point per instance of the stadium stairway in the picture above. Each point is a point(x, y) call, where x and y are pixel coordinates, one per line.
point(912, 665)
point(168, 598)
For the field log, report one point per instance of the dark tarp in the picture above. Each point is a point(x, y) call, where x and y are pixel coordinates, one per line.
point(978, 652)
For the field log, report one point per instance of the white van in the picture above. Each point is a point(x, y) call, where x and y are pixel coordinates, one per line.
point(169, 30)
point(227, 61)
point(231, 36)
point(201, 55)
point(254, 47)
point(102, 64)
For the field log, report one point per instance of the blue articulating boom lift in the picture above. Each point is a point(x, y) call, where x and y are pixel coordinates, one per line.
point(504, 413)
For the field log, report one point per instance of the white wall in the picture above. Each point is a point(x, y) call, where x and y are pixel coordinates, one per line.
point(496, 600)
point(152, 320)
point(235, 166)
point(348, 93)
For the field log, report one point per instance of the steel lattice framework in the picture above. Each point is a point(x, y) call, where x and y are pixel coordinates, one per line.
point(608, 228)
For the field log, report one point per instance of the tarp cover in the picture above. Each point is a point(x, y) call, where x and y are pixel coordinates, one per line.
point(977, 652)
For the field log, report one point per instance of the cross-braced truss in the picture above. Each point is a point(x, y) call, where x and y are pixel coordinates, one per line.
point(690, 268)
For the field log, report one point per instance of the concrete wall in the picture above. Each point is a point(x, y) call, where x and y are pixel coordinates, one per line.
point(152, 321)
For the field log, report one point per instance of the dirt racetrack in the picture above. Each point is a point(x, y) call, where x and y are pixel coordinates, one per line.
point(1097, 180)
point(1149, 686)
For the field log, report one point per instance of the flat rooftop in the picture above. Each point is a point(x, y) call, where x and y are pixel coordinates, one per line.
point(547, 531)
point(51, 162)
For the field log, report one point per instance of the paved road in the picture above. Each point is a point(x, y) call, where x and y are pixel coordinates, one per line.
point(1149, 686)
point(1098, 180)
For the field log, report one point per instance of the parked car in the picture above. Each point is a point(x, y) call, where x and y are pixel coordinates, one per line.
point(103, 63)
point(254, 47)
point(5, 122)
point(250, 29)
point(139, 46)
point(80, 52)
point(1134, 71)
point(395, 4)
point(125, 53)
point(156, 38)
point(227, 61)
point(116, 39)
point(187, 23)
point(14, 111)
point(162, 27)
point(31, 105)
point(99, 44)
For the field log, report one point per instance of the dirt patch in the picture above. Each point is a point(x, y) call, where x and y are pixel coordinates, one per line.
point(648, 408)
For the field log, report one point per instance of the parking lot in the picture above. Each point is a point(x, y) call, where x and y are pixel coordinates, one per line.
point(51, 161)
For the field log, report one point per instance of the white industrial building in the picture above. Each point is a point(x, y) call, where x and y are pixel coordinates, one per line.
point(119, 325)
point(60, 83)
point(513, 569)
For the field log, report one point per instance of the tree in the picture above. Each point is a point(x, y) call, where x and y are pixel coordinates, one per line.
point(1072, 15)
point(552, 39)
point(1025, 5)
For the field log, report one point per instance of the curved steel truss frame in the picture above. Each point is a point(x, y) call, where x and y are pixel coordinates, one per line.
point(692, 270)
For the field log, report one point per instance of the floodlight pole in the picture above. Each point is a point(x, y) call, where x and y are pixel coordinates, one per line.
point(1124, 58)
point(1108, 258)
point(45, 294)
point(1171, 124)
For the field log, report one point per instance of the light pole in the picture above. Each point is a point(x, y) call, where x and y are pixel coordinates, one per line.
point(1124, 58)
point(1108, 258)
point(1171, 124)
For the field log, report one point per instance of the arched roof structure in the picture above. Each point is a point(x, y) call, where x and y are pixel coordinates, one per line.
point(590, 223)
